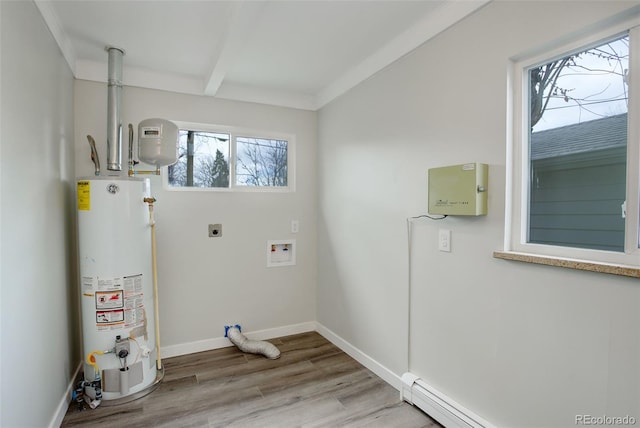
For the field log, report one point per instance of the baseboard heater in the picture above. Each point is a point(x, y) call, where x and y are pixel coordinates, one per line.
point(437, 405)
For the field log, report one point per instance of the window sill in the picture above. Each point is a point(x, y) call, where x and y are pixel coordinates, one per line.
point(612, 269)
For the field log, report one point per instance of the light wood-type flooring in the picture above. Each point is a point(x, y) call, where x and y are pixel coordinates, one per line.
point(312, 384)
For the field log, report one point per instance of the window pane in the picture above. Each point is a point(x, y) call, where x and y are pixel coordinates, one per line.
point(577, 148)
point(261, 162)
point(203, 160)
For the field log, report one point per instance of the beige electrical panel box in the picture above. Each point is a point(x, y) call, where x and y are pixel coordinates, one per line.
point(459, 189)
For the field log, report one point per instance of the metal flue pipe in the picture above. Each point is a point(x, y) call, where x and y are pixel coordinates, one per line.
point(114, 103)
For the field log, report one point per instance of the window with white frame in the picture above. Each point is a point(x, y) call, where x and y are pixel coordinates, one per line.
point(212, 157)
point(574, 180)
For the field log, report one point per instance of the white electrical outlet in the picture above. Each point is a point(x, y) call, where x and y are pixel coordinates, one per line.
point(295, 226)
point(444, 240)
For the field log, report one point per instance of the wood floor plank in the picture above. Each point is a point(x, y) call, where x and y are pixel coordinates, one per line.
point(312, 384)
point(296, 414)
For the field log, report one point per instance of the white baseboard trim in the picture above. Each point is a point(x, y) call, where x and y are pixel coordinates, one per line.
point(223, 342)
point(193, 347)
point(381, 371)
point(61, 410)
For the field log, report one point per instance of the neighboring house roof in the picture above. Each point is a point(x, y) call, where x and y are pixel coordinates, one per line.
point(598, 134)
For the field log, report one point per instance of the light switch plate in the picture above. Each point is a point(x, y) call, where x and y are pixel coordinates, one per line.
point(444, 240)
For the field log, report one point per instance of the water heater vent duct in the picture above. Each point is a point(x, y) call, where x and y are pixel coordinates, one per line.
point(114, 103)
point(261, 347)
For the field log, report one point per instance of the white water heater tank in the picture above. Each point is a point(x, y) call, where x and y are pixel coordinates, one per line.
point(158, 142)
point(117, 300)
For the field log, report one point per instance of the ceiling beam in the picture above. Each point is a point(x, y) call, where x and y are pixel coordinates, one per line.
point(243, 18)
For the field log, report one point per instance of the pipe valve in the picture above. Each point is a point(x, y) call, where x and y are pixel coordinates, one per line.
point(122, 347)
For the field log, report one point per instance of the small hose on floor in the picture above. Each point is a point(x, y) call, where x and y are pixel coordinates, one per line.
point(261, 347)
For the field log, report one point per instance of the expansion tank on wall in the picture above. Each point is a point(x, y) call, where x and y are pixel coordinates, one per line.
point(158, 142)
point(116, 285)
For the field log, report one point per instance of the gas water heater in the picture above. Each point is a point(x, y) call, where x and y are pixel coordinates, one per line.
point(117, 298)
point(117, 257)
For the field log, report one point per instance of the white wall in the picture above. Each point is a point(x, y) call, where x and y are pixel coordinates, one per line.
point(518, 344)
point(40, 347)
point(205, 283)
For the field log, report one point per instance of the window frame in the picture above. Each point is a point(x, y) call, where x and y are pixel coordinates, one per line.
point(517, 164)
point(234, 133)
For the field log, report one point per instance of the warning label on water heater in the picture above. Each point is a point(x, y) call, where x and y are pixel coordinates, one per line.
point(109, 299)
point(84, 195)
point(118, 301)
point(108, 319)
